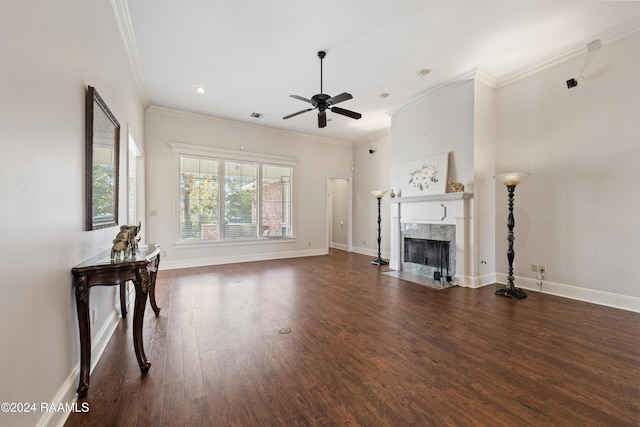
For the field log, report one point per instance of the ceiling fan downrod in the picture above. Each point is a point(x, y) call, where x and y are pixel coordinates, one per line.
point(321, 55)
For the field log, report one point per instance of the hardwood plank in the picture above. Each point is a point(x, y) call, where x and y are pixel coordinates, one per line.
point(364, 349)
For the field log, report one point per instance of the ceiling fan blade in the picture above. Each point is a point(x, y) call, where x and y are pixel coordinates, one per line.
point(344, 96)
point(347, 113)
point(322, 119)
point(295, 114)
point(301, 98)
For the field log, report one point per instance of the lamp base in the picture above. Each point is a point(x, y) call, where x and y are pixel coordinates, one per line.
point(515, 293)
point(379, 261)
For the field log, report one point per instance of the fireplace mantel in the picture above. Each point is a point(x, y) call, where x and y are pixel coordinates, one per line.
point(448, 208)
point(431, 198)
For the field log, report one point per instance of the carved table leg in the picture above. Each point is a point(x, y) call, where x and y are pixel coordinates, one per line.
point(82, 308)
point(123, 299)
point(142, 283)
point(153, 268)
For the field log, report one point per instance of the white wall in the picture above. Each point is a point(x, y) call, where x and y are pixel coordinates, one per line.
point(482, 205)
point(577, 213)
point(440, 122)
point(316, 159)
point(50, 52)
point(371, 172)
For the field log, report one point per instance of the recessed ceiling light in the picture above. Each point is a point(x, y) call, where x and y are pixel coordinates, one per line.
point(200, 89)
point(423, 72)
point(383, 95)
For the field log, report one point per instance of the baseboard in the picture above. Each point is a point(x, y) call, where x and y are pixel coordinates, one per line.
point(202, 262)
point(66, 396)
point(371, 252)
point(475, 282)
point(340, 246)
point(608, 299)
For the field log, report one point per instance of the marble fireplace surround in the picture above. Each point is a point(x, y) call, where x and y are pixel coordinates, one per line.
point(438, 209)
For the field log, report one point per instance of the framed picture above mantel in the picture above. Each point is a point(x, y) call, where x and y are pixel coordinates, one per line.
point(102, 163)
point(426, 176)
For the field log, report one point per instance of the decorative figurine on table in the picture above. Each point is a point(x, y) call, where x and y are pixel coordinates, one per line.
point(126, 242)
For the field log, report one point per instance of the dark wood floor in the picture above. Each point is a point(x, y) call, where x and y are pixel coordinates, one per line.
point(364, 350)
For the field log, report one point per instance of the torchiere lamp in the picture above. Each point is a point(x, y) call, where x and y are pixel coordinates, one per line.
point(379, 194)
point(511, 179)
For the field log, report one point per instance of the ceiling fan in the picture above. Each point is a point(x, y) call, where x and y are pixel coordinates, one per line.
point(324, 102)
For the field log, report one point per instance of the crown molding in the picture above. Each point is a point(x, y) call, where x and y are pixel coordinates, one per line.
point(375, 135)
point(123, 19)
point(490, 79)
point(445, 86)
point(606, 37)
point(155, 109)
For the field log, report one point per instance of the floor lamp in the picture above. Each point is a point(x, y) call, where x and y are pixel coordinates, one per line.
point(511, 180)
point(379, 194)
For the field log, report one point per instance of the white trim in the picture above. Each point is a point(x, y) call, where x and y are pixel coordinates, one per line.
point(241, 125)
point(431, 198)
point(328, 214)
point(372, 252)
point(123, 19)
point(239, 242)
point(580, 48)
point(203, 262)
point(221, 156)
point(486, 77)
point(340, 246)
point(608, 299)
point(455, 81)
point(66, 394)
point(202, 150)
point(375, 135)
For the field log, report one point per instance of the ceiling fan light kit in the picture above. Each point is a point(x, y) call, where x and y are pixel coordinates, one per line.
point(323, 102)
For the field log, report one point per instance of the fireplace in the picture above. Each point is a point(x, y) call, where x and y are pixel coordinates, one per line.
point(430, 241)
point(428, 251)
point(434, 253)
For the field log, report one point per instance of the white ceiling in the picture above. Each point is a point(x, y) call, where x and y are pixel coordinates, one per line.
point(251, 55)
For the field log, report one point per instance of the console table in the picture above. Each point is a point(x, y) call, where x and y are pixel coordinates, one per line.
point(103, 271)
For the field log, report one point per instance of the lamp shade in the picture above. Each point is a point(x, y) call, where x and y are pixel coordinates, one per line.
point(511, 178)
point(378, 194)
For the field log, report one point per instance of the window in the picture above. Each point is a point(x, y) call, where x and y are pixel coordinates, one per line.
point(276, 200)
point(199, 199)
point(240, 200)
point(228, 199)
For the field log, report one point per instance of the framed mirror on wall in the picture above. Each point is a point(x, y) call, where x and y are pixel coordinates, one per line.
point(102, 162)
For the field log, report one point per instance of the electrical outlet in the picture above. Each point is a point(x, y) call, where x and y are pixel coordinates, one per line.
point(536, 268)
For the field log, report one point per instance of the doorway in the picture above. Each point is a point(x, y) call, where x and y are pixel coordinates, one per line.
point(339, 213)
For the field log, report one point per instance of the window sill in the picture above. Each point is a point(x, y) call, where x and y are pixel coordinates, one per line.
point(223, 243)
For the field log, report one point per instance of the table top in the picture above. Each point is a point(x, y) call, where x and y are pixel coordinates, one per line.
point(103, 260)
